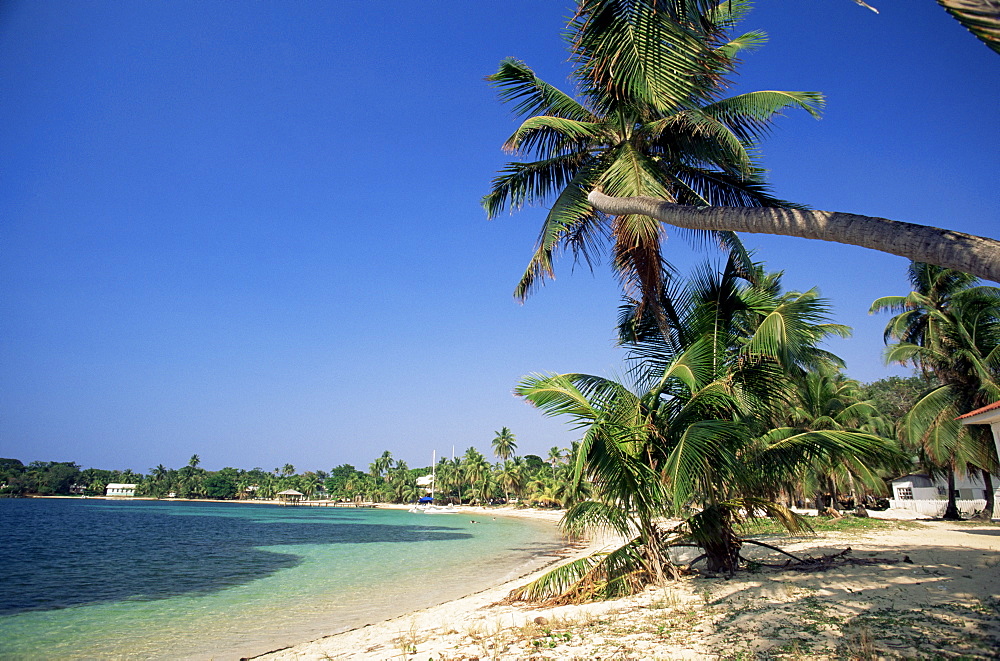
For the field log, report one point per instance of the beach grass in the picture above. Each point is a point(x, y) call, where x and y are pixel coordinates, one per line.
point(820, 525)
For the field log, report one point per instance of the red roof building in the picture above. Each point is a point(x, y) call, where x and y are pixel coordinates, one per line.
point(987, 415)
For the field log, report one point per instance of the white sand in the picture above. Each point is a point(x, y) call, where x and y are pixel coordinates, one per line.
point(946, 603)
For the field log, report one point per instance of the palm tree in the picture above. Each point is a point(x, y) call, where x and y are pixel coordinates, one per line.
point(825, 399)
point(403, 486)
point(977, 255)
point(948, 326)
point(378, 468)
point(694, 434)
point(158, 485)
point(555, 456)
point(476, 470)
point(511, 477)
point(449, 478)
point(651, 121)
point(504, 444)
point(310, 483)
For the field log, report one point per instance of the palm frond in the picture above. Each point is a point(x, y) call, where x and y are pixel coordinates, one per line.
point(553, 136)
point(980, 17)
point(599, 576)
point(745, 42)
point(750, 115)
point(635, 51)
point(520, 184)
point(571, 223)
point(519, 84)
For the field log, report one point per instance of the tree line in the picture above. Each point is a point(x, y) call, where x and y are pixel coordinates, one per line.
point(468, 478)
point(530, 480)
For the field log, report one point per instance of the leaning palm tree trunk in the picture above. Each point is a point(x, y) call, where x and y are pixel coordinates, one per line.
point(977, 255)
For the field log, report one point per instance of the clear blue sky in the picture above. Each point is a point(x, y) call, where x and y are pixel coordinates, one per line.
point(251, 230)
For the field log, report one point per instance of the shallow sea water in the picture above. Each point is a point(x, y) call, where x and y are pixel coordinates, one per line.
point(83, 579)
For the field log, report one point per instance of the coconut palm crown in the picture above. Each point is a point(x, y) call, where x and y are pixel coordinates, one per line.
point(650, 119)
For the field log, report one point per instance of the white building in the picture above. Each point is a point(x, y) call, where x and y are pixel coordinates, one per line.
point(929, 496)
point(924, 495)
point(116, 489)
point(426, 483)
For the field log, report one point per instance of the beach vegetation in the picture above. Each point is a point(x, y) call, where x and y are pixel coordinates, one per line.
point(46, 478)
point(948, 327)
point(690, 452)
point(826, 399)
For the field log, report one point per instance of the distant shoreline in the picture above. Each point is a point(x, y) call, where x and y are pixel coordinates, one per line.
point(206, 500)
point(536, 513)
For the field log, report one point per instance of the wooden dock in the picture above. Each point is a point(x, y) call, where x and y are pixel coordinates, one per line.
point(327, 503)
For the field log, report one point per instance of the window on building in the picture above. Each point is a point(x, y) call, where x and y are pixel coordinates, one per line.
point(904, 493)
point(942, 491)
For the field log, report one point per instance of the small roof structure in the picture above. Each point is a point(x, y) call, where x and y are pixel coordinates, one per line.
point(987, 415)
point(915, 479)
point(290, 496)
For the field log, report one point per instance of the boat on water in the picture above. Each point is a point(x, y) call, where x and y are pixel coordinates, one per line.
point(439, 509)
point(425, 505)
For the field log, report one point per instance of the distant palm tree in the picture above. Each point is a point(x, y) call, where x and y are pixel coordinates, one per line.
point(511, 477)
point(380, 466)
point(825, 399)
point(555, 456)
point(504, 444)
point(477, 472)
point(449, 478)
point(310, 483)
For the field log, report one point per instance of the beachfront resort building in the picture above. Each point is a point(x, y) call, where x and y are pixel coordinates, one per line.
point(927, 495)
point(116, 489)
point(923, 487)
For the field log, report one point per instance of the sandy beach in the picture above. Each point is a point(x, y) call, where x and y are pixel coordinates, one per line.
point(923, 589)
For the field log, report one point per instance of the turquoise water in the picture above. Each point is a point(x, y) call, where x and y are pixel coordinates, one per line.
point(143, 580)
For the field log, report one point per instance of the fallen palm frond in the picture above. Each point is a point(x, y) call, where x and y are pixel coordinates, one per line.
point(603, 575)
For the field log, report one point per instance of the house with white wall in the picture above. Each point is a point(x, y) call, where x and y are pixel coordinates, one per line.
point(117, 489)
point(927, 495)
